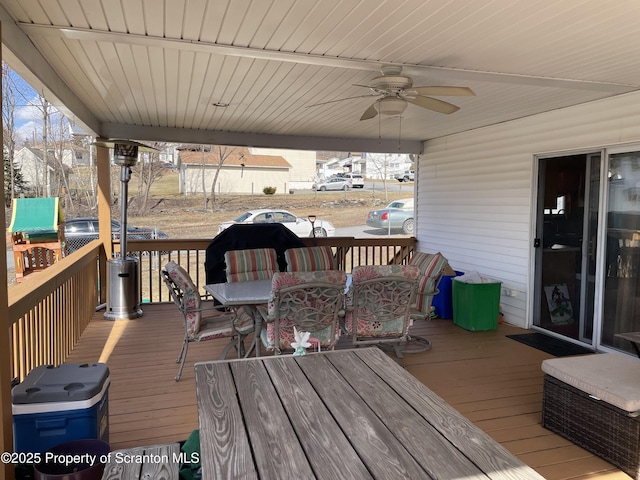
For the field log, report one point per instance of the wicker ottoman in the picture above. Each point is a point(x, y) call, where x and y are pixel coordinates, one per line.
point(594, 401)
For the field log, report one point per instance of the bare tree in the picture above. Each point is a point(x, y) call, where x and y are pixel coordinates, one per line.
point(8, 127)
point(203, 163)
point(380, 163)
point(43, 106)
point(84, 179)
point(60, 141)
point(223, 153)
point(148, 170)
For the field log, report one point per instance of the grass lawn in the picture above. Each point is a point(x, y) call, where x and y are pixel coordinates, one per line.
point(186, 217)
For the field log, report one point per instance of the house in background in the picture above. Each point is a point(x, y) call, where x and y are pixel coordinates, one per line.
point(31, 158)
point(303, 165)
point(333, 163)
point(30, 161)
point(241, 172)
point(374, 166)
point(76, 156)
point(385, 165)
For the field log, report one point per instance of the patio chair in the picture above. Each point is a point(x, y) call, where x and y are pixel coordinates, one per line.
point(432, 267)
point(250, 264)
point(379, 305)
point(309, 301)
point(234, 325)
point(309, 259)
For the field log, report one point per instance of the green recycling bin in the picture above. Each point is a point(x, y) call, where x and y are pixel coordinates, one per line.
point(476, 306)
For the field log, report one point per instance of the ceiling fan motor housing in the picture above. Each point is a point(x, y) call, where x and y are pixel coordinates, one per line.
point(392, 83)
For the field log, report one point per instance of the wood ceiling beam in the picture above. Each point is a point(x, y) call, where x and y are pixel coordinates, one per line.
point(214, 137)
point(85, 34)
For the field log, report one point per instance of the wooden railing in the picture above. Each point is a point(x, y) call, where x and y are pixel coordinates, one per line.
point(191, 254)
point(50, 309)
point(352, 252)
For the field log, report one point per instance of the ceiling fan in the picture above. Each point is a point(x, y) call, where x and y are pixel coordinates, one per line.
point(395, 91)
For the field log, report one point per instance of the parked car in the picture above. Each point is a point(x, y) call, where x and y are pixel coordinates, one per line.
point(395, 216)
point(407, 176)
point(298, 225)
point(335, 183)
point(357, 180)
point(80, 231)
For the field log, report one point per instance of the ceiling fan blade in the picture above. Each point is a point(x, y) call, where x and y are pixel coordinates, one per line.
point(433, 104)
point(369, 113)
point(339, 100)
point(444, 91)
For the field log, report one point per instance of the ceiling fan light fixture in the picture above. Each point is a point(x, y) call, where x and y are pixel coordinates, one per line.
point(391, 106)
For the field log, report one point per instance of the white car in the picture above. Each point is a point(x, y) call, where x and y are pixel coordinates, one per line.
point(357, 180)
point(298, 225)
point(407, 176)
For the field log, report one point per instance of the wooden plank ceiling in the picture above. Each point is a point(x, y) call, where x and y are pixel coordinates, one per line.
point(155, 69)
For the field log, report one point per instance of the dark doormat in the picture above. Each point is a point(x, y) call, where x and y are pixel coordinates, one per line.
point(551, 345)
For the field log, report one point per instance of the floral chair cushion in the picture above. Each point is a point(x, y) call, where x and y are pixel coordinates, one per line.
point(326, 335)
point(226, 324)
point(432, 266)
point(308, 259)
point(191, 301)
point(216, 324)
point(380, 313)
point(250, 264)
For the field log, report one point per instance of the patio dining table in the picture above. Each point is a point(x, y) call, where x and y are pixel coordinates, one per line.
point(238, 294)
point(248, 293)
point(347, 414)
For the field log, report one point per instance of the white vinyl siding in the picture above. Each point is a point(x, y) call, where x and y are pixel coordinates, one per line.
point(303, 165)
point(475, 189)
point(233, 180)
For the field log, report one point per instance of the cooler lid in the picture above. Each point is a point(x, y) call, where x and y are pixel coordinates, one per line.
point(64, 383)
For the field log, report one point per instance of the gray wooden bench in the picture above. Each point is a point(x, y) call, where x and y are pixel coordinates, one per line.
point(145, 463)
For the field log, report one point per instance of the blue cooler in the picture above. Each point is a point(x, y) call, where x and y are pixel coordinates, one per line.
point(443, 300)
point(55, 405)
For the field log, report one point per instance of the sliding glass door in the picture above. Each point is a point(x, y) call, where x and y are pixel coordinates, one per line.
point(621, 300)
point(587, 255)
point(566, 245)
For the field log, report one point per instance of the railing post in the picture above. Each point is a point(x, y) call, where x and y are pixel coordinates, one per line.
point(6, 418)
point(103, 164)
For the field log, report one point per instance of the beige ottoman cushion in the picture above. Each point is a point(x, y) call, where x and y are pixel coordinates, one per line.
point(610, 377)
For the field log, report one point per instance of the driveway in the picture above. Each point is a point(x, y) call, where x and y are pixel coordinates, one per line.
point(364, 231)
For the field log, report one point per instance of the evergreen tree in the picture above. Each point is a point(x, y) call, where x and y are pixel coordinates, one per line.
point(20, 188)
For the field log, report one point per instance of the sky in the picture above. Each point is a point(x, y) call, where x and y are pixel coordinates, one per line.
point(28, 116)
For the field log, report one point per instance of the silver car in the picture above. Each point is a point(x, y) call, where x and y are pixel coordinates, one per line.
point(395, 216)
point(335, 183)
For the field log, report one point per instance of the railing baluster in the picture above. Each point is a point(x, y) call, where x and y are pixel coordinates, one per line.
point(50, 311)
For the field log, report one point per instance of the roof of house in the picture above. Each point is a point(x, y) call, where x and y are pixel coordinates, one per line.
point(236, 158)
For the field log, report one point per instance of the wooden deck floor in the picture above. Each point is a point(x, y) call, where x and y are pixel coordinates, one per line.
point(493, 380)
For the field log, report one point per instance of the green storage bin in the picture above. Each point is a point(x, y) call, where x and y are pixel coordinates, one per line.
point(476, 306)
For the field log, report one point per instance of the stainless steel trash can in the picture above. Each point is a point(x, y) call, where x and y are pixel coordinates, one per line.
point(123, 294)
